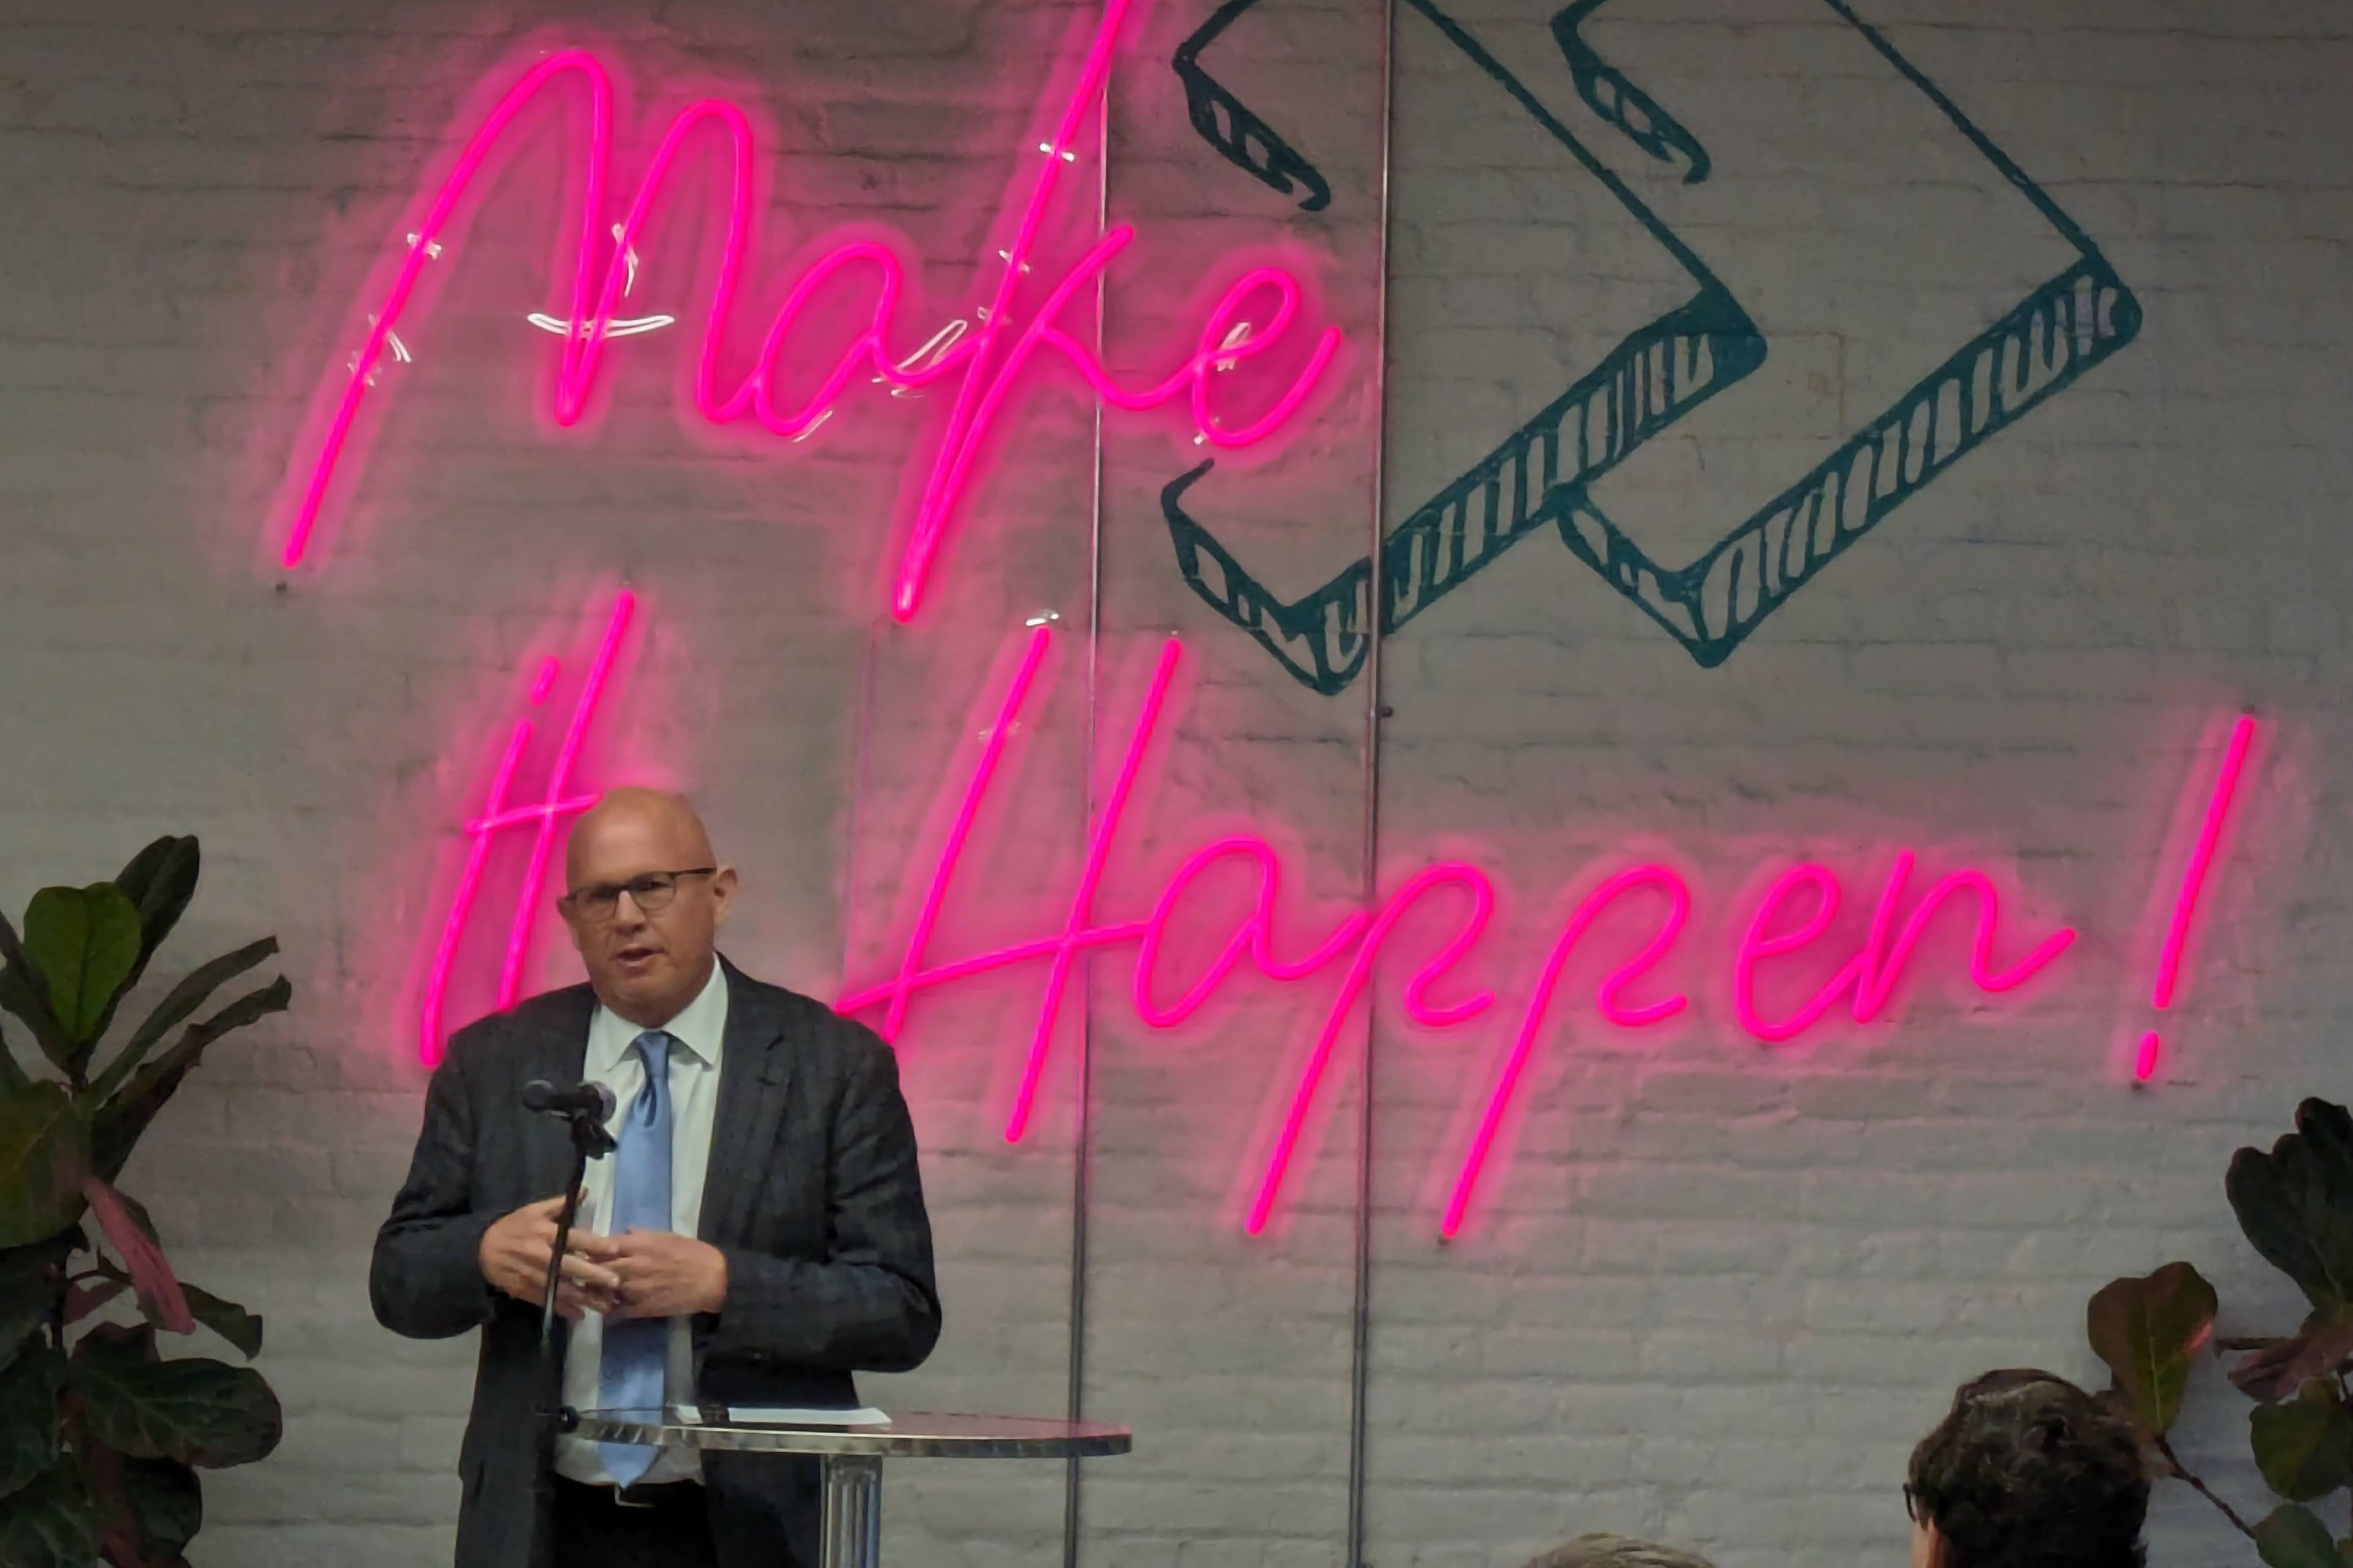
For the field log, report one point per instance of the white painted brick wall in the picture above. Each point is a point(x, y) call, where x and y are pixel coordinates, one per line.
point(1710, 1291)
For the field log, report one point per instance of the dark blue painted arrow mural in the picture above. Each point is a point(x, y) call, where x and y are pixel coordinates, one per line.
point(1542, 473)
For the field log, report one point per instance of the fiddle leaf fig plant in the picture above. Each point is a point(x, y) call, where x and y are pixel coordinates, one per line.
point(101, 1435)
point(2295, 1204)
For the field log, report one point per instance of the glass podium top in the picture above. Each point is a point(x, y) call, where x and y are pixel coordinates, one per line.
point(904, 1434)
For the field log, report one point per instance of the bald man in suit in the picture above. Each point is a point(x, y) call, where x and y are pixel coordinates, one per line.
point(758, 1236)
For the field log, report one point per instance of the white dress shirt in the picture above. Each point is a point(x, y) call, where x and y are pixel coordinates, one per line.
point(697, 1035)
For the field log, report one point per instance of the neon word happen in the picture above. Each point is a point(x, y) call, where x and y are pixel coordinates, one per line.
point(1792, 918)
point(986, 361)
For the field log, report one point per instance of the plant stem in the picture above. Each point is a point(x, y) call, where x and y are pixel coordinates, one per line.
point(2202, 1489)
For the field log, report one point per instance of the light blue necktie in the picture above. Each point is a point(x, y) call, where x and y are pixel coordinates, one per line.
point(637, 1350)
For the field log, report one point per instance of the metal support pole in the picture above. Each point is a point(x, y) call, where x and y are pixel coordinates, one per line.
point(1080, 1155)
point(851, 1529)
point(1360, 1342)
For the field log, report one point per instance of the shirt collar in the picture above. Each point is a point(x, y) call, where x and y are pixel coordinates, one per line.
point(699, 1028)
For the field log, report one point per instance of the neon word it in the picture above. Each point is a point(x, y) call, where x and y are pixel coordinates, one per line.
point(988, 359)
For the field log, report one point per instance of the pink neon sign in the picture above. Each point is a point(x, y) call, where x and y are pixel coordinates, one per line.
point(1870, 974)
point(2193, 883)
point(542, 816)
point(1787, 925)
point(989, 359)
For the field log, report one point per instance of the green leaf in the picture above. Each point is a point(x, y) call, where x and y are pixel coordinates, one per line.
point(85, 941)
point(196, 1411)
point(2271, 1373)
point(122, 1118)
point(185, 997)
point(44, 1155)
point(226, 1318)
point(2295, 1205)
point(24, 993)
point(160, 880)
point(51, 1523)
point(2148, 1330)
point(30, 1282)
point(168, 1501)
point(28, 1417)
point(2304, 1448)
point(2291, 1537)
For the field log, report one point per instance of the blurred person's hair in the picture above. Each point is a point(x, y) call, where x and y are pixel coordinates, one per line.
point(2027, 1470)
point(1617, 1552)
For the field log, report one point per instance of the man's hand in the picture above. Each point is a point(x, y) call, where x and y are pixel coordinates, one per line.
point(658, 1275)
point(513, 1256)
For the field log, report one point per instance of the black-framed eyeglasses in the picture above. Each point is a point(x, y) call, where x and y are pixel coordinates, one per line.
point(653, 893)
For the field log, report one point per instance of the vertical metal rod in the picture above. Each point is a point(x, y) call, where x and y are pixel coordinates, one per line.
point(1360, 1342)
point(1082, 1155)
point(849, 1524)
point(862, 722)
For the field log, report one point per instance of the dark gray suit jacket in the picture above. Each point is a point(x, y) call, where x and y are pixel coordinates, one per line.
point(812, 1193)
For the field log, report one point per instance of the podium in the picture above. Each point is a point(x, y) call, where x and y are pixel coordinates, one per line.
point(851, 1457)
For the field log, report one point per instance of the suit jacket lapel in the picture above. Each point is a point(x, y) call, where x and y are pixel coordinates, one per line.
point(557, 1050)
point(756, 1071)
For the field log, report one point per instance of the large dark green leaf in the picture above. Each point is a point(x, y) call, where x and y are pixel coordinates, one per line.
point(172, 1011)
point(2295, 1205)
point(161, 880)
point(122, 1118)
point(196, 1411)
point(168, 1502)
point(226, 1318)
point(2304, 1448)
point(2148, 1330)
point(85, 941)
point(28, 1417)
point(24, 993)
point(44, 1156)
point(51, 1523)
point(2291, 1536)
point(148, 1509)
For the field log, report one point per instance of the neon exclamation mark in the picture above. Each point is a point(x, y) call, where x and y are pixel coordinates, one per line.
point(2193, 881)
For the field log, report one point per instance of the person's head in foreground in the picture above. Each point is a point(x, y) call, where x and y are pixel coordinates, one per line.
point(2027, 1471)
point(1617, 1552)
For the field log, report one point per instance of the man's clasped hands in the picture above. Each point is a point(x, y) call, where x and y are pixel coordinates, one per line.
point(639, 1274)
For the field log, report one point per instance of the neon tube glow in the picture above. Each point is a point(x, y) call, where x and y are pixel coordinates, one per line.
point(1770, 931)
point(990, 359)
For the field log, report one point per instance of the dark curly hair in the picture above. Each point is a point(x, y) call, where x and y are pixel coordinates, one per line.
point(2029, 1471)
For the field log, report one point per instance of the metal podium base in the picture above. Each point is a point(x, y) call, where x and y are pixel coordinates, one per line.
point(854, 1511)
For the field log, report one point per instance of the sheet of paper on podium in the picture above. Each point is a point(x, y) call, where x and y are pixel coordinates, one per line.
point(794, 1415)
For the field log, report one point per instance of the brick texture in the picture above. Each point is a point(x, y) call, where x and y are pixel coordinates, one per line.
point(1710, 1291)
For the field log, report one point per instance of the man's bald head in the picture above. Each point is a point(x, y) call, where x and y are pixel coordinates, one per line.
point(636, 811)
point(638, 848)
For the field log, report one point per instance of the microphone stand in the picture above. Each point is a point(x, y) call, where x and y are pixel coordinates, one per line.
point(589, 1142)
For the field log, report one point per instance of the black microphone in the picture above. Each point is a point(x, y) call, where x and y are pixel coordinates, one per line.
point(591, 1099)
